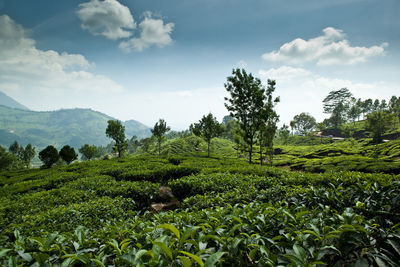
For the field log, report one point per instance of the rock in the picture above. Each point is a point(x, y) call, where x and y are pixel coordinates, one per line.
point(169, 201)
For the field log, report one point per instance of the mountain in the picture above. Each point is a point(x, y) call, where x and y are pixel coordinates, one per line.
point(7, 101)
point(74, 127)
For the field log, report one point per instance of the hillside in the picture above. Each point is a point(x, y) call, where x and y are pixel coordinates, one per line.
point(7, 101)
point(75, 127)
point(229, 213)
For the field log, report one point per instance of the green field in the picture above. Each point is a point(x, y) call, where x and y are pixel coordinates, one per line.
point(231, 213)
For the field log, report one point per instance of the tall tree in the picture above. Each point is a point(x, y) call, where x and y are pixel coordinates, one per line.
point(394, 105)
point(68, 154)
point(304, 123)
point(367, 106)
point(116, 131)
point(14, 148)
point(28, 154)
point(268, 121)
point(159, 130)
point(354, 111)
point(245, 103)
point(207, 128)
point(284, 133)
point(49, 156)
point(337, 104)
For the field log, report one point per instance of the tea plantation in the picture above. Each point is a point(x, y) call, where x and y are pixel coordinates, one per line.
point(99, 213)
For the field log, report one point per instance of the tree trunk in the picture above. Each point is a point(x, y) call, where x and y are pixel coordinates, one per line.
point(251, 150)
point(261, 155)
point(208, 148)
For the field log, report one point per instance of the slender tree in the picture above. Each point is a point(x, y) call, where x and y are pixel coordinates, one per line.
point(14, 148)
point(268, 121)
point(207, 128)
point(246, 102)
point(284, 133)
point(28, 154)
point(116, 131)
point(159, 130)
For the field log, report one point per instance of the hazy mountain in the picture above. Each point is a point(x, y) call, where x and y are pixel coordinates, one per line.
point(74, 127)
point(7, 101)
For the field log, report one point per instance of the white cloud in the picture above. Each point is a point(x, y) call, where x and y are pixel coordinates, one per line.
point(46, 78)
point(331, 48)
point(285, 73)
point(301, 90)
point(153, 32)
point(108, 18)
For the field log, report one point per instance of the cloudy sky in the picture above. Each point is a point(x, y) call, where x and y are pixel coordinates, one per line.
point(151, 59)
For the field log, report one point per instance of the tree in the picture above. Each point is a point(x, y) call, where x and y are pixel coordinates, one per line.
point(14, 148)
point(68, 154)
point(49, 156)
point(304, 123)
point(376, 105)
point(337, 104)
point(367, 106)
point(377, 123)
point(7, 160)
point(284, 133)
point(116, 131)
point(268, 120)
point(394, 105)
point(354, 111)
point(28, 154)
point(88, 151)
point(245, 103)
point(133, 144)
point(145, 144)
point(160, 128)
point(207, 128)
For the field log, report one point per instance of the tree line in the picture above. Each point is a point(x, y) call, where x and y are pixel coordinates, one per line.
point(252, 121)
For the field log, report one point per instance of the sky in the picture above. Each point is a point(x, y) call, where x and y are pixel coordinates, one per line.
point(152, 59)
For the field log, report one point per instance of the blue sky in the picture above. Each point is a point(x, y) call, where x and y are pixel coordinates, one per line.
point(151, 59)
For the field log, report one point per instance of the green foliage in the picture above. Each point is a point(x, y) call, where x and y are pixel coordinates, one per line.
point(337, 104)
point(116, 131)
point(95, 213)
point(89, 151)
point(378, 122)
point(49, 156)
point(207, 128)
point(68, 154)
point(7, 160)
point(246, 103)
point(159, 130)
point(304, 123)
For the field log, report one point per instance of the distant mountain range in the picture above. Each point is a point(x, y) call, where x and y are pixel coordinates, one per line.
point(74, 127)
point(7, 101)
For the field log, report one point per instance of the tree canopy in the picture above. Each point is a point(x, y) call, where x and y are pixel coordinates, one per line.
point(116, 131)
point(246, 103)
point(68, 154)
point(159, 130)
point(303, 123)
point(49, 156)
point(207, 128)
